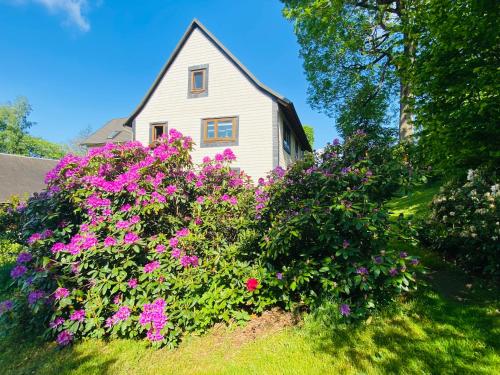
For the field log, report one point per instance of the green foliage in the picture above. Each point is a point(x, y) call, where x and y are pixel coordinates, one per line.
point(366, 110)
point(456, 83)
point(345, 44)
point(309, 130)
point(327, 238)
point(463, 223)
point(129, 226)
point(14, 137)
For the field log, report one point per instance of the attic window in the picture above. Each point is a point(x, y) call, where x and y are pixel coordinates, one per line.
point(157, 131)
point(198, 81)
point(113, 134)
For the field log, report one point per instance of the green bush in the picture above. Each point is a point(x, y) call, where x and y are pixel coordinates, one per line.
point(133, 241)
point(464, 223)
point(326, 238)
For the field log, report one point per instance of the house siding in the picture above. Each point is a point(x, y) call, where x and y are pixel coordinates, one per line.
point(230, 93)
point(285, 158)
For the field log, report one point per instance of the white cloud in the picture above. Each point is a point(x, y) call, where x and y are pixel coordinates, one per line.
point(72, 9)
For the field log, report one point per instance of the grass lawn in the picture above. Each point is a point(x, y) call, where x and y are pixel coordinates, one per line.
point(450, 326)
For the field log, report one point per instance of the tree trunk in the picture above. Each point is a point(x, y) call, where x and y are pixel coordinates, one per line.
point(409, 50)
point(405, 115)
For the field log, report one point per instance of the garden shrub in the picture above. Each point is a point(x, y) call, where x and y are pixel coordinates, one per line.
point(464, 223)
point(325, 238)
point(133, 241)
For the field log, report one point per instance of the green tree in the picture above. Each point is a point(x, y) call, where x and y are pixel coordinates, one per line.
point(456, 83)
point(366, 110)
point(14, 136)
point(309, 130)
point(344, 43)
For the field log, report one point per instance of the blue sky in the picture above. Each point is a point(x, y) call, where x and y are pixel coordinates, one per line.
point(83, 62)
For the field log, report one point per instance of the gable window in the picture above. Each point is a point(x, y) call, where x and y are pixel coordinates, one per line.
point(158, 129)
point(198, 81)
point(287, 138)
point(219, 131)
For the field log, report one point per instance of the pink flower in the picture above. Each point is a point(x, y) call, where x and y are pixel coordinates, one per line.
point(57, 247)
point(176, 253)
point(61, 293)
point(228, 154)
point(233, 201)
point(109, 241)
point(207, 160)
point(200, 200)
point(64, 338)
point(135, 219)
point(125, 207)
point(132, 283)
point(78, 315)
point(34, 237)
point(173, 242)
point(171, 189)
point(160, 248)
point(131, 238)
point(182, 233)
point(219, 157)
point(150, 267)
point(122, 224)
point(56, 322)
point(198, 221)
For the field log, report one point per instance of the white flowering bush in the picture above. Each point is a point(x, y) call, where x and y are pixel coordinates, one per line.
point(464, 223)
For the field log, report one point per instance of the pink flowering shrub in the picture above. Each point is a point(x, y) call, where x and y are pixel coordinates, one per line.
point(137, 241)
point(324, 236)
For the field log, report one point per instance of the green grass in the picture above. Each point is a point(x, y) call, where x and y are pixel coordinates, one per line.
point(416, 202)
point(451, 325)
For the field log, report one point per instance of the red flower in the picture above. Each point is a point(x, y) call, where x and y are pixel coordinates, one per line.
point(252, 284)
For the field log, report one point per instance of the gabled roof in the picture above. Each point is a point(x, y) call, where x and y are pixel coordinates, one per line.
point(285, 104)
point(113, 131)
point(22, 175)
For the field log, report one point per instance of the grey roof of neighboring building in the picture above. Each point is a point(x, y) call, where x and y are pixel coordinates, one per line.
point(113, 131)
point(285, 104)
point(22, 175)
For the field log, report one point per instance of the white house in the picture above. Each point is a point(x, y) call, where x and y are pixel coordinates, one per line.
point(205, 92)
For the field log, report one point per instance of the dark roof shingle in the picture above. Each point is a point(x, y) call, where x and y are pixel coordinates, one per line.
point(22, 175)
point(113, 131)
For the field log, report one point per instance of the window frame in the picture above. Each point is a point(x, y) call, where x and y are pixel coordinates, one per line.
point(217, 141)
point(152, 126)
point(192, 91)
point(216, 121)
point(287, 144)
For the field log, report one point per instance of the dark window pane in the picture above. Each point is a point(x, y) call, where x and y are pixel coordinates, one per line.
point(158, 131)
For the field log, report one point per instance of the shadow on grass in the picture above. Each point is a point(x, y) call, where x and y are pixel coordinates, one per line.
point(22, 355)
point(435, 333)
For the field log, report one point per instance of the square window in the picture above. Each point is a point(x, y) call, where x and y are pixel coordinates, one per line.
point(198, 81)
point(157, 131)
point(219, 130)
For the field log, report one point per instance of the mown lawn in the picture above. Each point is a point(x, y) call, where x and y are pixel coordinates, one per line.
point(450, 326)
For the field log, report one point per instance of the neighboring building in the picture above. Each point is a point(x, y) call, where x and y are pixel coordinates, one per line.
point(22, 175)
point(113, 131)
point(204, 92)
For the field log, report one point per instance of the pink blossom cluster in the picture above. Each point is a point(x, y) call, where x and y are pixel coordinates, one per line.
point(39, 236)
point(154, 314)
point(122, 314)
